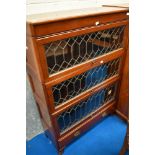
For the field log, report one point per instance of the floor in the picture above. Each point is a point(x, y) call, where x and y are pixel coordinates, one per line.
point(33, 123)
point(105, 138)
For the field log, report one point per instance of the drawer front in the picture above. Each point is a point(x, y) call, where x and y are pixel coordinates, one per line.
point(70, 52)
point(75, 114)
point(76, 85)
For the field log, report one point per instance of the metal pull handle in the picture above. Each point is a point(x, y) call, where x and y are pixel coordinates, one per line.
point(76, 133)
point(101, 62)
point(97, 23)
point(95, 62)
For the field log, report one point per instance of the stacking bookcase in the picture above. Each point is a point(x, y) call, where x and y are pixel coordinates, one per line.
point(74, 65)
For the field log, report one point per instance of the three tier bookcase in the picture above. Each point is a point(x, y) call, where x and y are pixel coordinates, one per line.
point(75, 65)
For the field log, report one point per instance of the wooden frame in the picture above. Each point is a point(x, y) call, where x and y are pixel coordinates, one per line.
point(83, 67)
point(85, 94)
point(43, 28)
point(41, 41)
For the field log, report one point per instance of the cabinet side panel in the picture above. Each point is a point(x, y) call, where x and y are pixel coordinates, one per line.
point(43, 107)
point(32, 56)
point(122, 108)
point(123, 102)
point(35, 77)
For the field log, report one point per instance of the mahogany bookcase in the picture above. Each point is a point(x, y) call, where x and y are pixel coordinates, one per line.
point(75, 64)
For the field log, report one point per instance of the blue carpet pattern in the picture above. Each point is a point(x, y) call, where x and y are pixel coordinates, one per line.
point(106, 138)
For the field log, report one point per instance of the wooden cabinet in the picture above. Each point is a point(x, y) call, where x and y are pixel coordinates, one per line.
point(75, 65)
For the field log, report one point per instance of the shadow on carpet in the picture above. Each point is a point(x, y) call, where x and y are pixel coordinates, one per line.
point(106, 138)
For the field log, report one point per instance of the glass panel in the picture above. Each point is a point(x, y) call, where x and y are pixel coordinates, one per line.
point(66, 53)
point(78, 84)
point(80, 111)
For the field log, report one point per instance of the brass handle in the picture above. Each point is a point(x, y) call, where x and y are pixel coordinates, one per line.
point(97, 23)
point(76, 133)
point(101, 62)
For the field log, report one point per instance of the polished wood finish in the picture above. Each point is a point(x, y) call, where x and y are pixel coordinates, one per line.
point(121, 115)
point(123, 102)
point(83, 30)
point(61, 26)
point(48, 27)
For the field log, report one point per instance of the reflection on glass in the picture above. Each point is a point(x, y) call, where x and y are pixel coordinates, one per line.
point(78, 84)
point(66, 53)
point(80, 111)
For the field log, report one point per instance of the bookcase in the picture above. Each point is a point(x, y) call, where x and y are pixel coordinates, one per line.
point(75, 65)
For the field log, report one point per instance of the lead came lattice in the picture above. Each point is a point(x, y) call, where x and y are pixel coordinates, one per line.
point(66, 53)
point(78, 84)
point(80, 111)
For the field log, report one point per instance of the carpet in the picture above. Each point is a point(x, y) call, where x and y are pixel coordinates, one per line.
point(105, 138)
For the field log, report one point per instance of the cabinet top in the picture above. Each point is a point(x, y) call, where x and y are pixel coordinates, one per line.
point(41, 18)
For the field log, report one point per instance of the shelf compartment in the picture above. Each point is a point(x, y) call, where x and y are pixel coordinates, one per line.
point(84, 109)
point(63, 54)
point(72, 87)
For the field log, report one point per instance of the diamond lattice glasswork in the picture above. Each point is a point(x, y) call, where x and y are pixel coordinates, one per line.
point(78, 84)
point(66, 53)
point(80, 111)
